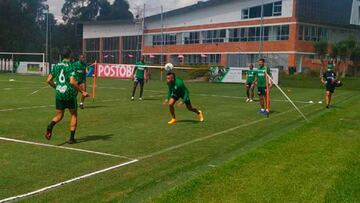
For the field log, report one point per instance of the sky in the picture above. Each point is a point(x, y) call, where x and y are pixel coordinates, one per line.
point(152, 6)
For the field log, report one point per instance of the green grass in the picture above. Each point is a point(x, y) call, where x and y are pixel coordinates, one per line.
point(236, 155)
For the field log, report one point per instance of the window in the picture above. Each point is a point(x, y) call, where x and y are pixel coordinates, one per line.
point(157, 39)
point(244, 34)
point(170, 39)
point(255, 12)
point(284, 32)
point(191, 37)
point(214, 36)
point(301, 33)
point(277, 8)
point(111, 50)
point(92, 47)
point(268, 10)
point(234, 35)
point(245, 14)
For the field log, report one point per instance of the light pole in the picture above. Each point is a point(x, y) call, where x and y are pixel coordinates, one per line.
point(47, 34)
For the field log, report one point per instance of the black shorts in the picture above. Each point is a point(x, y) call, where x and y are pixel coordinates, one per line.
point(249, 84)
point(66, 104)
point(139, 81)
point(262, 91)
point(330, 88)
point(176, 98)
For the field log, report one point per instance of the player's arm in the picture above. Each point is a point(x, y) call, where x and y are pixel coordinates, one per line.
point(50, 81)
point(75, 84)
point(323, 81)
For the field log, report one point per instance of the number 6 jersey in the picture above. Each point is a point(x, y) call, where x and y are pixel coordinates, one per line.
point(61, 73)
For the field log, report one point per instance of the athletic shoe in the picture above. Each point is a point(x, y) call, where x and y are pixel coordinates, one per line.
point(201, 116)
point(72, 141)
point(328, 107)
point(140, 99)
point(247, 100)
point(261, 111)
point(132, 98)
point(81, 105)
point(48, 134)
point(251, 100)
point(172, 121)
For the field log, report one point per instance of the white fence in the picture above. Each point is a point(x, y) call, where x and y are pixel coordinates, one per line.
point(6, 65)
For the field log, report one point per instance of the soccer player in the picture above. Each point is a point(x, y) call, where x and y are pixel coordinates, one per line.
point(261, 80)
point(80, 76)
point(329, 81)
point(178, 90)
point(139, 76)
point(250, 83)
point(62, 79)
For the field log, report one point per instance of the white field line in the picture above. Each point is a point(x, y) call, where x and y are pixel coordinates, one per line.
point(208, 95)
point(62, 147)
point(141, 158)
point(66, 182)
point(215, 134)
point(48, 106)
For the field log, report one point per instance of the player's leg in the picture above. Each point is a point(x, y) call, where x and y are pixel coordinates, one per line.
point(136, 82)
point(252, 88)
point(141, 89)
point(261, 92)
point(73, 125)
point(171, 103)
point(82, 87)
point(247, 88)
point(192, 109)
point(57, 118)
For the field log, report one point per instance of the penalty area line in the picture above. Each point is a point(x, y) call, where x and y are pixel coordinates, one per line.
point(45, 189)
point(62, 147)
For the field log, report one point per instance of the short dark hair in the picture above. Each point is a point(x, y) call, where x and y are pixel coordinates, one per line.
point(170, 73)
point(262, 59)
point(66, 53)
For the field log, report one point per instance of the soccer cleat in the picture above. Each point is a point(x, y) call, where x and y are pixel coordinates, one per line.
point(140, 99)
point(251, 100)
point(172, 121)
point(201, 116)
point(132, 98)
point(247, 100)
point(72, 141)
point(48, 134)
point(81, 105)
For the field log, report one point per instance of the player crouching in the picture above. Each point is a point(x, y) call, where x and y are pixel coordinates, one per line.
point(177, 90)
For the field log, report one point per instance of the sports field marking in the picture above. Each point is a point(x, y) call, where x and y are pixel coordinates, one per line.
point(62, 147)
point(215, 134)
point(42, 190)
point(48, 106)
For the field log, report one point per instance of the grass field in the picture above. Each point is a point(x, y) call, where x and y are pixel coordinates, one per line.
point(236, 155)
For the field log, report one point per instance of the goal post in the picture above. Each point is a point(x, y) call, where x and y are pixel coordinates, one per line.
point(24, 63)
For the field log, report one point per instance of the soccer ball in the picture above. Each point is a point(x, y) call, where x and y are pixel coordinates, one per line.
point(168, 67)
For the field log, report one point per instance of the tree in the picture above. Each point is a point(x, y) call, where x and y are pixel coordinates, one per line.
point(321, 49)
point(343, 52)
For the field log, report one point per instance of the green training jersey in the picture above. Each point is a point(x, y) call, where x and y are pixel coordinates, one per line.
point(80, 71)
point(61, 73)
point(250, 76)
point(178, 89)
point(260, 74)
point(140, 70)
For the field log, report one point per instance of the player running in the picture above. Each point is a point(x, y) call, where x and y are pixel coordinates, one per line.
point(62, 79)
point(250, 83)
point(177, 90)
point(80, 76)
point(261, 80)
point(329, 81)
point(139, 77)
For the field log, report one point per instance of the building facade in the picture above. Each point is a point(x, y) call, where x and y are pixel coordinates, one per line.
point(226, 32)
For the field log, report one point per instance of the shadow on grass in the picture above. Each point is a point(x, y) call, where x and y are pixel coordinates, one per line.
point(91, 138)
point(188, 121)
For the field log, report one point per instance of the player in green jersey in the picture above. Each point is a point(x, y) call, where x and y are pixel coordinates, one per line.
point(250, 83)
point(80, 76)
point(139, 77)
point(178, 90)
point(62, 78)
point(261, 80)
